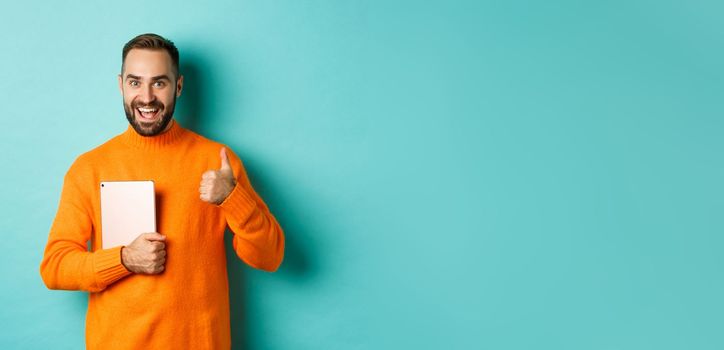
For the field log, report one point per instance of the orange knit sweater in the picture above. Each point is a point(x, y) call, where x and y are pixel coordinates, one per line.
point(187, 305)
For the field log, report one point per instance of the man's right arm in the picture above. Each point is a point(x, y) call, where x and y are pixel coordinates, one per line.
point(67, 263)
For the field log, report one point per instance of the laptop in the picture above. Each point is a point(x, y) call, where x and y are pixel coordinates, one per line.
point(128, 209)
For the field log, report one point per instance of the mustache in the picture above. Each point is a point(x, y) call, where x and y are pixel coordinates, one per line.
point(154, 104)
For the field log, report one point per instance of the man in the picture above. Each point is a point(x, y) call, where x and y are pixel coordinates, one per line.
point(166, 289)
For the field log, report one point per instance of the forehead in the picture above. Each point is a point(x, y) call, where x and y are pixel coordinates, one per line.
point(148, 63)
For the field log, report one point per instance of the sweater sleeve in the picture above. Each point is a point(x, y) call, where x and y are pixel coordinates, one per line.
point(67, 263)
point(258, 238)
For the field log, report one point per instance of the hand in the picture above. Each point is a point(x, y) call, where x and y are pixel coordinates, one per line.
point(217, 184)
point(146, 254)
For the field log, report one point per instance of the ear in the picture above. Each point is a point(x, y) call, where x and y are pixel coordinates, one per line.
point(179, 85)
point(120, 83)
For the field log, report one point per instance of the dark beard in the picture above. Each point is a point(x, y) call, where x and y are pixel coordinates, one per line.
point(150, 129)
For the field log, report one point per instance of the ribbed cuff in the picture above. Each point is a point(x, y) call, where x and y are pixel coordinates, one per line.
point(108, 266)
point(239, 203)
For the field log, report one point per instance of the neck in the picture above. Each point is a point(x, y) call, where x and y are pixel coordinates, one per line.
point(170, 123)
point(169, 135)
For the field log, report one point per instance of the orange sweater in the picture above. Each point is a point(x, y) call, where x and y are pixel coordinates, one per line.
point(186, 306)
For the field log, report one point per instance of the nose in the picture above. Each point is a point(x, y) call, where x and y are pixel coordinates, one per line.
point(146, 95)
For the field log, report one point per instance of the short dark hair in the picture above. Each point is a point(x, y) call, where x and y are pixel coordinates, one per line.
point(152, 41)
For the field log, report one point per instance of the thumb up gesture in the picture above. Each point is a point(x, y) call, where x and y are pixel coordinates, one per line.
point(217, 184)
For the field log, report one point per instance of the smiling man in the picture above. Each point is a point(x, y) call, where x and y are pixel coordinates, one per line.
point(146, 96)
point(167, 289)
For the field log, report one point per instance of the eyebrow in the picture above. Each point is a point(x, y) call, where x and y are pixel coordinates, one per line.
point(158, 77)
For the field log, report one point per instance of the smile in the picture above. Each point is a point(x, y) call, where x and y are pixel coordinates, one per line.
point(148, 113)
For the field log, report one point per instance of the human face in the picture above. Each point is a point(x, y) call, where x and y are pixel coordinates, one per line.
point(149, 87)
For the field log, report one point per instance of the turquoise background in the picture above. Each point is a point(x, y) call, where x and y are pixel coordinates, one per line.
point(449, 174)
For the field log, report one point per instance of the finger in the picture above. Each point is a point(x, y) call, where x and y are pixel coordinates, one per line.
point(209, 175)
point(151, 247)
point(225, 165)
point(154, 236)
point(158, 246)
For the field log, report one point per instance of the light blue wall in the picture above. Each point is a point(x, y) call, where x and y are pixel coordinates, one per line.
point(464, 175)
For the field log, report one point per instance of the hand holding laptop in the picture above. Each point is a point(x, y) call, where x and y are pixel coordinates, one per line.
point(146, 254)
point(127, 210)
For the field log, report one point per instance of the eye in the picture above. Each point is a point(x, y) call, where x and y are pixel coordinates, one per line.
point(134, 83)
point(159, 84)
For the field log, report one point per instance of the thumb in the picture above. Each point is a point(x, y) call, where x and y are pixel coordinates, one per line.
point(225, 165)
point(154, 236)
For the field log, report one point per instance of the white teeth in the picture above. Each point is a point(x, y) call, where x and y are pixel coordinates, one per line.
point(147, 110)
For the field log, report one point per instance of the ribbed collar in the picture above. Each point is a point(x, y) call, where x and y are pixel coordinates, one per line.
point(173, 134)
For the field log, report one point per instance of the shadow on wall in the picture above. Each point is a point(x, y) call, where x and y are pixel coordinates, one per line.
point(188, 107)
point(297, 267)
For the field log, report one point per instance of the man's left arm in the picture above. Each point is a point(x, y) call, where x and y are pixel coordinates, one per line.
point(258, 238)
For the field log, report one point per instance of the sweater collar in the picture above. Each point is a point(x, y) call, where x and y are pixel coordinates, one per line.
point(168, 137)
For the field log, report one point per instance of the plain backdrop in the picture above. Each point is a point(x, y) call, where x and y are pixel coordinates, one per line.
point(450, 174)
